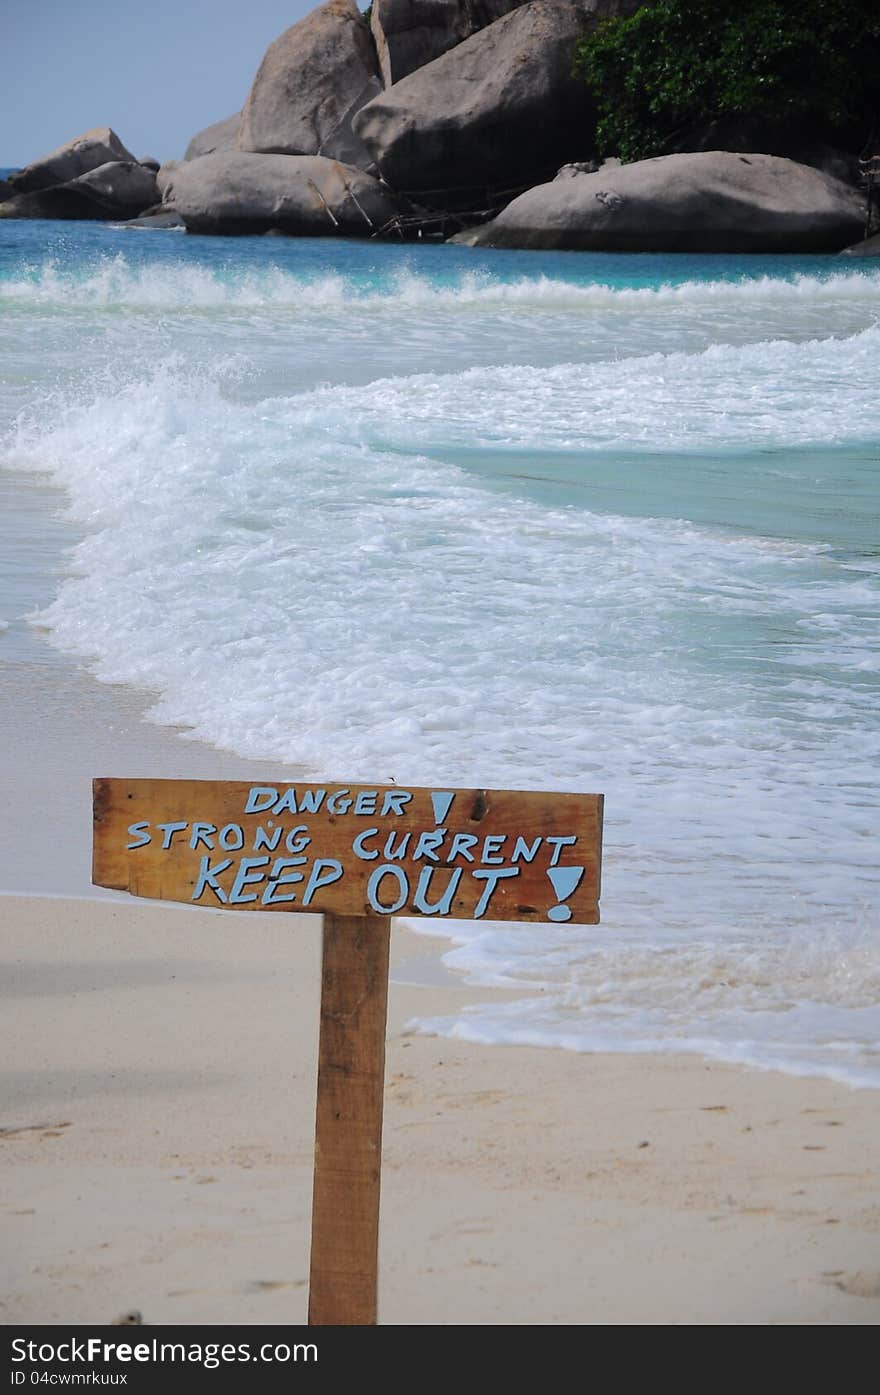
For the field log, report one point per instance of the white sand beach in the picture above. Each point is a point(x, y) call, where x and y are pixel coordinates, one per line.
point(157, 1135)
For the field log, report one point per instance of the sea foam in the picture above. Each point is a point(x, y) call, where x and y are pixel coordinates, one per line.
point(625, 568)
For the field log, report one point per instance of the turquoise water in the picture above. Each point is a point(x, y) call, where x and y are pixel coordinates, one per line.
point(542, 521)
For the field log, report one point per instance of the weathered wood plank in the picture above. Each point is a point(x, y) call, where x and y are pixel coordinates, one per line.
point(348, 1124)
point(352, 849)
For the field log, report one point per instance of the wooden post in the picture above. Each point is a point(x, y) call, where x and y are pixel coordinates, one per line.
point(348, 1120)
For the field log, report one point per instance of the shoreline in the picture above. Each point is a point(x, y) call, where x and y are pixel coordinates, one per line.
point(158, 1135)
point(61, 728)
point(157, 1123)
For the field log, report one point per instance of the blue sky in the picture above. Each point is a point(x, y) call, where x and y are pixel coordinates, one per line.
point(156, 72)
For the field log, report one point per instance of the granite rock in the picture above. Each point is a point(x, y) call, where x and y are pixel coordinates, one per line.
point(711, 201)
point(312, 81)
point(411, 33)
point(304, 195)
point(86, 152)
point(501, 110)
point(223, 135)
point(119, 189)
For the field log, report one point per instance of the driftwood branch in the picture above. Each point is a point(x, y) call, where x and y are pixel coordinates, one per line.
point(327, 209)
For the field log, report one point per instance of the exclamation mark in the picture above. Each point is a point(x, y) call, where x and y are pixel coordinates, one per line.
point(442, 802)
point(566, 881)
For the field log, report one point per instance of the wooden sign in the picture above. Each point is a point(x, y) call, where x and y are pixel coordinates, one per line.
point(352, 849)
point(356, 854)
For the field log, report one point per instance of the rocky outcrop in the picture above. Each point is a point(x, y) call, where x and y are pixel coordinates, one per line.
point(500, 110)
point(86, 152)
point(311, 83)
point(482, 101)
point(116, 190)
point(411, 33)
point(304, 195)
point(713, 201)
point(223, 135)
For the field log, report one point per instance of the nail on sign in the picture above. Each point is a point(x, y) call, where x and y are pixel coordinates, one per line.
point(352, 849)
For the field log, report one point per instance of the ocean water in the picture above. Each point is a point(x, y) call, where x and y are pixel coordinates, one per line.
point(550, 521)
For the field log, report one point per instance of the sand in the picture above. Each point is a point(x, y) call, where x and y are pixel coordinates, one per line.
point(156, 1133)
point(157, 1102)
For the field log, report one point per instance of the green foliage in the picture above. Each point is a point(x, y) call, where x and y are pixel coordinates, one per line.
point(677, 63)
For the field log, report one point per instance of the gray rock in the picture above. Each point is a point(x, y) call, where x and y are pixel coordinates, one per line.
point(47, 203)
point(868, 247)
point(411, 33)
point(125, 189)
point(711, 201)
point(311, 82)
point(468, 237)
point(150, 163)
point(97, 147)
point(165, 175)
point(158, 217)
point(223, 135)
point(118, 189)
point(304, 195)
point(500, 110)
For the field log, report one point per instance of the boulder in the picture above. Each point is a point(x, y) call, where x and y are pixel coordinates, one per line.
point(223, 135)
point(149, 162)
point(97, 147)
point(868, 247)
point(124, 188)
point(500, 110)
point(118, 189)
point(410, 33)
point(43, 204)
point(159, 216)
point(311, 82)
point(165, 176)
point(304, 195)
point(711, 201)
